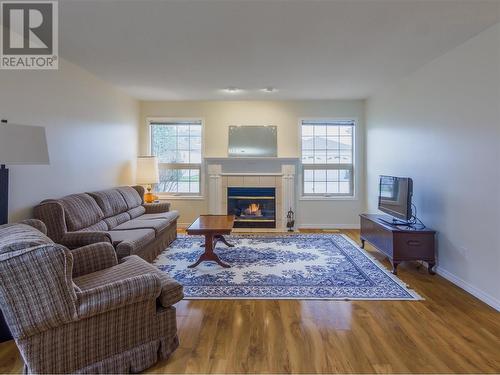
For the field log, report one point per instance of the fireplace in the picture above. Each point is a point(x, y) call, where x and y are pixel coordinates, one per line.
point(254, 207)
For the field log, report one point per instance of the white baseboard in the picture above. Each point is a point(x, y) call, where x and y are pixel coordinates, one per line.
point(300, 226)
point(249, 230)
point(486, 298)
point(328, 226)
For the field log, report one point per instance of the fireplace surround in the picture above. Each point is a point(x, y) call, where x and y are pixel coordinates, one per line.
point(277, 173)
point(253, 207)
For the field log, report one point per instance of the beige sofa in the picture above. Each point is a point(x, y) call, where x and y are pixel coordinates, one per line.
point(118, 216)
point(81, 310)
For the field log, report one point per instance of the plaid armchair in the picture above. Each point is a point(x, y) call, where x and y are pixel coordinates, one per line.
point(81, 310)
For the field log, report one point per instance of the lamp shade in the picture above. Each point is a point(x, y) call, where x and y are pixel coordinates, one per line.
point(23, 144)
point(147, 170)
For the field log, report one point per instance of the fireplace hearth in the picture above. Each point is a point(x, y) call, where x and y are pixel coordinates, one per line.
point(253, 207)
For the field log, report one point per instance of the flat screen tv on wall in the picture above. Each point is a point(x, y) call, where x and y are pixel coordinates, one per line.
point(395, 196)
point(253, 141)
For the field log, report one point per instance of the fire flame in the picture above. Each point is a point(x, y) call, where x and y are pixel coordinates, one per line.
point(253, 208)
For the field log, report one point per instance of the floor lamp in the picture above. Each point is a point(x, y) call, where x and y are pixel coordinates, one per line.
point(19, 144)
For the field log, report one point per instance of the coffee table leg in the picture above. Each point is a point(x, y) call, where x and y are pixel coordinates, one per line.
point(220, 237)
point(209, 254)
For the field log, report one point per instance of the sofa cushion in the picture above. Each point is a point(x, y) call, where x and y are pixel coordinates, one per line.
point(110, 201)
point(139, 236)
point(169, 216)
point(81, 211)
point(131, 196)
point(133, 266)
point(136, 212)
point(14, 237)
point(158, 225)
point(113, 221)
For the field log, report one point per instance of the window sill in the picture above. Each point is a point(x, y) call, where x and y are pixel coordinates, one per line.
point(181, 197)
point(327, 198)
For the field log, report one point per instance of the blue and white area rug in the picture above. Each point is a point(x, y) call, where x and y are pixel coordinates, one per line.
point(299, 266)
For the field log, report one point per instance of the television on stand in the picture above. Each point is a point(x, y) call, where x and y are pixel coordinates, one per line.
point(394, 199)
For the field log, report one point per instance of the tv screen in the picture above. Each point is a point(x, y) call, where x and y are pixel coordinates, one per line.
point(253, 141)
point(395, 196)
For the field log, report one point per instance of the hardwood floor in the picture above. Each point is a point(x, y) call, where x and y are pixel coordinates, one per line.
point(451, 331)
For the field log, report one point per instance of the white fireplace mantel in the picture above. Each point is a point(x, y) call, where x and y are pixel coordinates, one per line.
point(212, 159)
point(251, 174)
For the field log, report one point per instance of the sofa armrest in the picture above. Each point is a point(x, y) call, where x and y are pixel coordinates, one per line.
point(118, 294)
point(171, 293)
point(73, 240)
point(51, 212)
point(37, 224)
point(93, 258)
point(155, 208)
point(140, 190)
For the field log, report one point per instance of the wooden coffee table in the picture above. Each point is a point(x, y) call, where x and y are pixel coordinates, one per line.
point(213, 227)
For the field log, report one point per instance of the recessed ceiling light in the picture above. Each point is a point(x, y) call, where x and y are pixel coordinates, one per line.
point(232, 90)
point(269, 89)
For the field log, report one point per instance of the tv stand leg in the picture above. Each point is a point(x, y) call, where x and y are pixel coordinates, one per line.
point(395, 267)
point(362, 244)
point(430, 267)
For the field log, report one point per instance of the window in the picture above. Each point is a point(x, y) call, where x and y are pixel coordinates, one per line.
point(177, 144)
point(327, 157)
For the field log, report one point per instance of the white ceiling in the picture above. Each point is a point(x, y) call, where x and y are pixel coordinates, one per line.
point(187, 50)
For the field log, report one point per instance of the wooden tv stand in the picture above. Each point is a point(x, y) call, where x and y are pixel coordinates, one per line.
point(397, 242)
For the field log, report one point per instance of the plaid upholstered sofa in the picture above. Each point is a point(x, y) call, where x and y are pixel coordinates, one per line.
point(80, 310)
point(118, 216)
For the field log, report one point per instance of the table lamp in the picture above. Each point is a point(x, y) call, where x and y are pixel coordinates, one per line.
point(19, 144)
point(147, 174)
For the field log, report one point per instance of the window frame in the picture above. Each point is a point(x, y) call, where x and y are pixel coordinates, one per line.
point(172, 196)
point(352, 166)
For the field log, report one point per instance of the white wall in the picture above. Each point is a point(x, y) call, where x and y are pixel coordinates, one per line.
point(219, 115)
point(92, 133)
point(441, 126)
